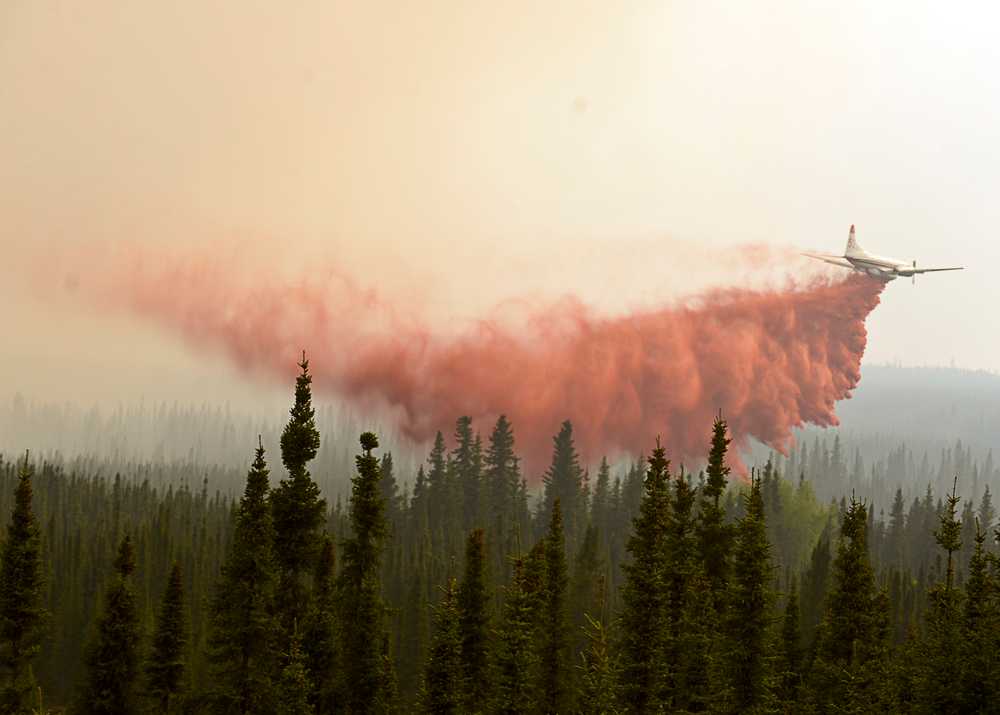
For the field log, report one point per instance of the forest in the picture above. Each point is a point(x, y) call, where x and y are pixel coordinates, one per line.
point(816, 583)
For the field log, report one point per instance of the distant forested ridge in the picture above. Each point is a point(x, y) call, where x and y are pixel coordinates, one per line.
point(824, 581)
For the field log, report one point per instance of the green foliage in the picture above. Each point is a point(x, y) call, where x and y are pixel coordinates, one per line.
point(443, 680)
point(599, 672)
point(165, 666)
point(508, 519)
point(555, 689)
point(980, 633)
point(320, 632)
point(750, 610)
point(515, 657)
point(715, 536)
point(22, 616)
point(365, 665)
point(926, 641)
point(791, 648)
point(296, 504)
point(300, 438)
point(849, 668)
point(941, 670)
point(474, 624)
point(292, 697)
point(563, 482)
point(244, 628)
point(643, 630)
point(113, 657)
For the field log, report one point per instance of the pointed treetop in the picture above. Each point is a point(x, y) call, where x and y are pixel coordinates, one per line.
point(300, 438)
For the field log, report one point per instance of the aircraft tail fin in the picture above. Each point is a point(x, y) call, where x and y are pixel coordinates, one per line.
point(852, 244)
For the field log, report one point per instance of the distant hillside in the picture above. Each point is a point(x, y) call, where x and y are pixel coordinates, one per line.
point(934, 405)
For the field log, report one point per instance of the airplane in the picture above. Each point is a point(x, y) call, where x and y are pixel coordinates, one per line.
point(887, 269)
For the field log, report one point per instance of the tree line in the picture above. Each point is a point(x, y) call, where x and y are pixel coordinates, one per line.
point(658, 590)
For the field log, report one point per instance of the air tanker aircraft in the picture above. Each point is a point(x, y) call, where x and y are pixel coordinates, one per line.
point(887, 269)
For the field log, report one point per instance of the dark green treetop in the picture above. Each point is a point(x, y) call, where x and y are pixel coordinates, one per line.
point(244, 630)
point(112, 666)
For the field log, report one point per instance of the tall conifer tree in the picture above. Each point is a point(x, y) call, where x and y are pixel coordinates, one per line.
point(715, 536)
point(292, 694)
point(515, 658)
point(467, 466)
point(320, 632)
point(165, 667)
point(442, 690)
point(298, 510)
point(850, 649)
point(113, 657)
point(502, 478)
point(942, 670)
point(22, 615)
point(564, 481)
point(749, 617)
point(644, 598)
point(599, 672)
point(555, 687)
point(474, 620)
point(366, 668)
point(791, 646)
point(243, 637)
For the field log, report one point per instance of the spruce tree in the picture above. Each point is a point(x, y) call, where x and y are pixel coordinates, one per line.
point(555, 688)
point(320, 632)
point(686, 643)
point(644, 599)
point(467, 466)
point(244, 631)
point(515, 658)
point(600, 509)
point(587, 585)
point(942, 669)
point(849, 668)
point(292, 695)
point(366, 669)
point(791, 647)
point(502, 479)
point(165, 667)
point(564, 481)
point(390, 491)
point(599, 672)
point(749, 615)
point(980, 632)
point(112, 661)
point(296, 504)
point(438, 485)
point(714, 535)
point(22, 615)
point(442, 689)
point(474, 622)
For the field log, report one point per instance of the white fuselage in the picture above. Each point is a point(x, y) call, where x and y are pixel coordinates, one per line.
point(879, 266)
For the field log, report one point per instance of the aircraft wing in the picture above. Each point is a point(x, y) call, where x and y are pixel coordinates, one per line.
point(935, 270)
point(827, 258)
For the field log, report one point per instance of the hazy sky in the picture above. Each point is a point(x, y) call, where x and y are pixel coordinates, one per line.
point(466, 152)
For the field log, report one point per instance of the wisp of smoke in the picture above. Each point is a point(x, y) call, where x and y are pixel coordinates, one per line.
point(771, 360)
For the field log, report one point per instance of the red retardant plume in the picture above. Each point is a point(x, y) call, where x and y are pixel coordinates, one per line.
point(771, 360)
